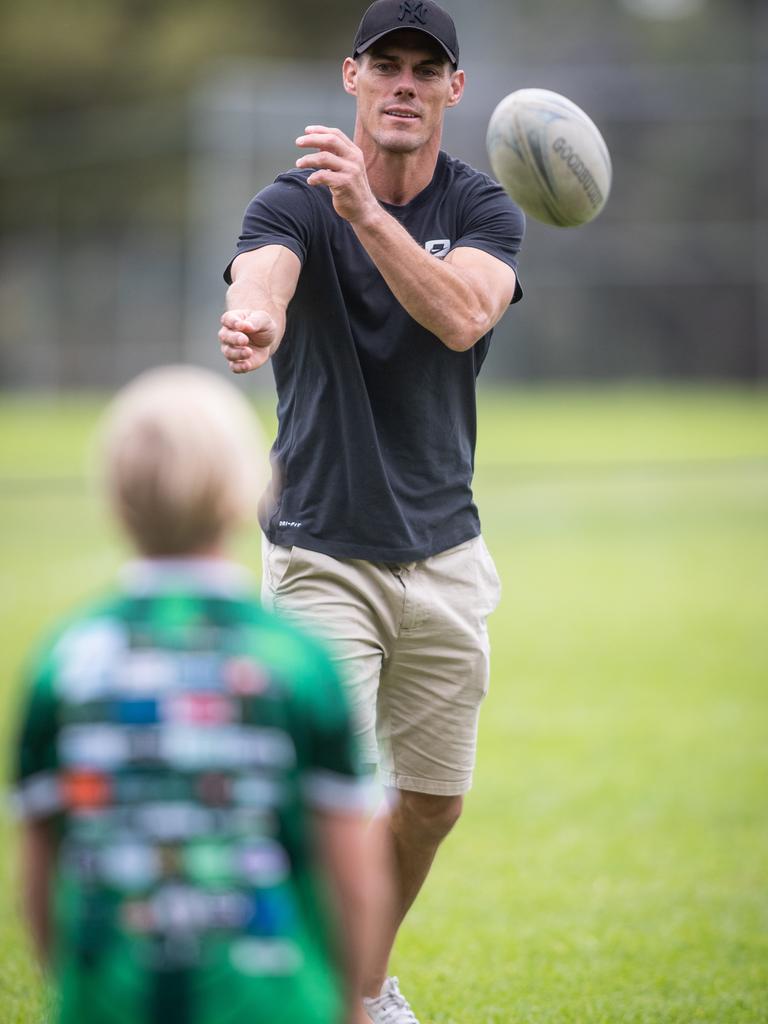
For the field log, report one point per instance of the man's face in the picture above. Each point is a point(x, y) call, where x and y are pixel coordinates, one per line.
point(403, 85)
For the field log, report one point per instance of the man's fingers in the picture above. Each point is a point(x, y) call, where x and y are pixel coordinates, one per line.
point(337, 143)
point(230, 337)
point(256, 358)
point(324, 129)
point(245, 326)
point(310, 138)
point(254, 319)
point(229, 319)
point(236, 353)
point(325, 177)
point(236, 330)
point(329, 161)
point(247, 337)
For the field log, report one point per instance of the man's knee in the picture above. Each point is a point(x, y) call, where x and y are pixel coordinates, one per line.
point(426, 816)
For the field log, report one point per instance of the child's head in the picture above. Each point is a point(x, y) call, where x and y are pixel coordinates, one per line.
point(184, 460)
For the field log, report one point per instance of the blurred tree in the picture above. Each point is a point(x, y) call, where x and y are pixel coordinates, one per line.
point(57, 54)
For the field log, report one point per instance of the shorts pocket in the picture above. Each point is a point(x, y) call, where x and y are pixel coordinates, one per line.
point(277, 562)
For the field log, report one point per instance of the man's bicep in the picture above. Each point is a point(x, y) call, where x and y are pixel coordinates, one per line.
point(274, 267)
point(494, 280)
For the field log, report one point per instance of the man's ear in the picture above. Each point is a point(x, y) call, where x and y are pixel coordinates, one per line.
point(457, 88)
point(349, 76)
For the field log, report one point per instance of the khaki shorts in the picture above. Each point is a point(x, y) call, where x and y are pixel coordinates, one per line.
point(412, 645)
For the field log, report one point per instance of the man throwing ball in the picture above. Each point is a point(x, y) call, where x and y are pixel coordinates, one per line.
point(372, 276)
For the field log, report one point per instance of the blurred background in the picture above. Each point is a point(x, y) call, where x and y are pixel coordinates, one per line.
point(134, 132)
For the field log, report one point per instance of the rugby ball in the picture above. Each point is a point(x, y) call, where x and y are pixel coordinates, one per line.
point(550, 157)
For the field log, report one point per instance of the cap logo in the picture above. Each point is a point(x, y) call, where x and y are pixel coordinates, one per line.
point(413, 13)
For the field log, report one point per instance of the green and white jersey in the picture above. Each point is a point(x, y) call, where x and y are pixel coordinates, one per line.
point(181, 736)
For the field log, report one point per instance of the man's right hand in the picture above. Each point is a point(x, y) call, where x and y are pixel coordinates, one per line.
point(248, 338)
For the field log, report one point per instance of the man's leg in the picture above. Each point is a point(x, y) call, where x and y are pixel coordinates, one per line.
point(411, 833)
point(425, 626)
point(331, 597)
point(431, 689)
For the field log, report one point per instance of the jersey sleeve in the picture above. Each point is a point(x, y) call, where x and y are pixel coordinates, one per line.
point(333, 776)
point(281, 214)
point(35, 782)
point(493, 223)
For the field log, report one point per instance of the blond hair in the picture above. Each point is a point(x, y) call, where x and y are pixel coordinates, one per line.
point(183, 459)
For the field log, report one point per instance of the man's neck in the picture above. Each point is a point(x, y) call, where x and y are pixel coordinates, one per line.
point(397, 178)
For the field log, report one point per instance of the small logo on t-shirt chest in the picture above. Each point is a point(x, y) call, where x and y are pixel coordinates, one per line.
point(438, 247)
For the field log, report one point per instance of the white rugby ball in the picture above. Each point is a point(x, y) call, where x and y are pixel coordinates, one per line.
point(549, 156)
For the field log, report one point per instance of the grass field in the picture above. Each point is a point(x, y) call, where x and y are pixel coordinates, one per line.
point(612, 864)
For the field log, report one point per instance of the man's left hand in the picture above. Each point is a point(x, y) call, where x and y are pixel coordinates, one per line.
point(339, 165)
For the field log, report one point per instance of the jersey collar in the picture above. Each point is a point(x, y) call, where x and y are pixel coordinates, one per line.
point(215, 576)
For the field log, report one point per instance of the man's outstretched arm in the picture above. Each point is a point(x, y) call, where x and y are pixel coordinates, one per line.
point(459, 299)
point(263, 283)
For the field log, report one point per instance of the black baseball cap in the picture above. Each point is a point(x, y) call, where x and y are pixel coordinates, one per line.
point(385, 16)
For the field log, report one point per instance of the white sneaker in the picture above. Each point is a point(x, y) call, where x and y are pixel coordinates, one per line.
point(390, 1006)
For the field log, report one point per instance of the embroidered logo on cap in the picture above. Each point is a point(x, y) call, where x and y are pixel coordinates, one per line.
point(416, 13)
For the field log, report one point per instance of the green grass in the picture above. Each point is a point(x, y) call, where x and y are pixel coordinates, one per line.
point(612, 863)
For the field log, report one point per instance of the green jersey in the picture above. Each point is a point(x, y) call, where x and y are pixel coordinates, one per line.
point(181, 736)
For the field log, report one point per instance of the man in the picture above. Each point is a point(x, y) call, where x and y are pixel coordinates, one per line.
point(186, 769)
point(373, 276)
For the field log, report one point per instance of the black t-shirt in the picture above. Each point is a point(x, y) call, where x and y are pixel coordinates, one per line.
point(377, 417)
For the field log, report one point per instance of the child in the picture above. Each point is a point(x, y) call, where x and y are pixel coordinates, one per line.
point(193, 816)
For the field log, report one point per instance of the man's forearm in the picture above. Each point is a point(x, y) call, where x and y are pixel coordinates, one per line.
point(249, 293)
point(263, 283)
point(434, 293)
